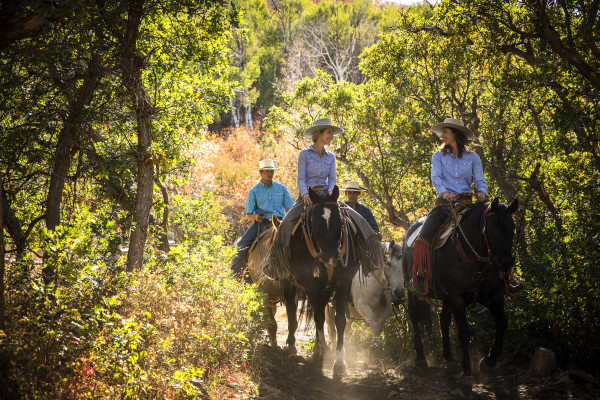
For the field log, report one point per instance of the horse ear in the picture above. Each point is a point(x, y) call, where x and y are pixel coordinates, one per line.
point(513, 207)
point(494, 204)
point(335, 193)
point(314, 196)
point(392, 243)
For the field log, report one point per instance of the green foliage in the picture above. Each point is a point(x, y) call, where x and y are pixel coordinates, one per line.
point(168, 330)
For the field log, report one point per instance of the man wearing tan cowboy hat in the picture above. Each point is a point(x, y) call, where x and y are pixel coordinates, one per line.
point(265, 199)
point(353, 190)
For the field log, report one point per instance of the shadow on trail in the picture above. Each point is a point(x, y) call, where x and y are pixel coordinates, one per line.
point(281, 376)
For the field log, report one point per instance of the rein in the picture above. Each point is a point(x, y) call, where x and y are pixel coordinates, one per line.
point(310, 244)
point(488, 261)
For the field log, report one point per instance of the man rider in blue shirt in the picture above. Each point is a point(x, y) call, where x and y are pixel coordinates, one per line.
point(353, 190)
point(265, 199)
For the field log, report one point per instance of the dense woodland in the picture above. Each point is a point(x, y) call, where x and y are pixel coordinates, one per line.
point(106, 155)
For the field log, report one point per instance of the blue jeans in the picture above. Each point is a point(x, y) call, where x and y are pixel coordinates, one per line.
point(243, 245)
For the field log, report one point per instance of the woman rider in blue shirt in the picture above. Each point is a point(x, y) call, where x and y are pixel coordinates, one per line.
point(453, 169)
point(316, 169)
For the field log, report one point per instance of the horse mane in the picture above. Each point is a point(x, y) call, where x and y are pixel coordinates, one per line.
point(473, 220)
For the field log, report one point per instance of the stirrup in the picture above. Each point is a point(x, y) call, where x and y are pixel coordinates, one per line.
point(420, 290)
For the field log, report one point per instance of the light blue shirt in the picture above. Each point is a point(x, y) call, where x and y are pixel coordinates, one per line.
point(314, 170)
point(269, 200)
point(454, 175)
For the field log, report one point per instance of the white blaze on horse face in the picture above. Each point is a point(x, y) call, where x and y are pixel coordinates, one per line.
point(326, 216)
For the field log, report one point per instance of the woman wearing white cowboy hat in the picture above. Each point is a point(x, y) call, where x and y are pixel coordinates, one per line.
point(353, 190)
point(453, 170)
point(316, 168)
point(265, 199)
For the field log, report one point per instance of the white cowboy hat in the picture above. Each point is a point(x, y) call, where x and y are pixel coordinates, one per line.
point(353, 186)
point(267, 164)
point(322, 123)
point(452, 123)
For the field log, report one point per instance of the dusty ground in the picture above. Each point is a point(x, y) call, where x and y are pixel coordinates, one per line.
point(280, 376)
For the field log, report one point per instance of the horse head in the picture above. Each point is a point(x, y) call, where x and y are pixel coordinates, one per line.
point(327, 226)
point(500, 229)
point(393, 261)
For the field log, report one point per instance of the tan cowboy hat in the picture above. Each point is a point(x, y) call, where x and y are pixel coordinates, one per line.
point(353, 186)
point(452, 123)
point(322, 123)
point(267, 164)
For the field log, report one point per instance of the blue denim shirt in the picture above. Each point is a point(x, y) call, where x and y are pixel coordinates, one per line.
point(269, 200)
point(366, 214)
point(315, 171)
point(454, 175)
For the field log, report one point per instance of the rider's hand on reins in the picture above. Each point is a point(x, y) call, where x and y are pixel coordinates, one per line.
point(306, 199)
point(449, 196)
point(481, 196)
point(258, 218)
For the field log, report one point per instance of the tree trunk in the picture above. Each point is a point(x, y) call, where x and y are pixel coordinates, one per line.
point(2, 325)
point(132, 64)
point(67, 140)
point(249, 125)
point(164, 235)
point(235, 118)
point(13, 226)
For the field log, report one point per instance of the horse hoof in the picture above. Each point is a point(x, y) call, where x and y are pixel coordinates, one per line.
point(421, 364)
point(467, 379)
point(339, 369)
point(290, 350)
point(485, 367)
point(452, 367)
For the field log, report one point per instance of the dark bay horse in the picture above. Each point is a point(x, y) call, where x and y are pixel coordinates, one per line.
point(325, 253)
point(475, 270)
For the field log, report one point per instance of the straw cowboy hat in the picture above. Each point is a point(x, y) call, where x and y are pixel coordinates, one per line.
point(322, 123)
point(353, 186)
point(267, 164)
point(452, 123)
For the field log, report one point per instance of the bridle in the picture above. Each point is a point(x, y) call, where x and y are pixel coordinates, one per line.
point(308, 237)
point(488, 261)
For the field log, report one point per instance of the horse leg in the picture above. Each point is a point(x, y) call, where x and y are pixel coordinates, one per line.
point(415, 317)
point(364, 308)
point(330, 320)
point(291, 307)
point(320, 346)
point(445, 319)
point(501, 323)
point(272, 324)
point(460, 317)
point(341, 302)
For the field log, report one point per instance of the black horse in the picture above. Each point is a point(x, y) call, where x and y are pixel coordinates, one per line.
point(469, 268)
point(326, 252)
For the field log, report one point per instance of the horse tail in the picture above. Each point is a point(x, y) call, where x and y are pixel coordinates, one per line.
point(306, 312)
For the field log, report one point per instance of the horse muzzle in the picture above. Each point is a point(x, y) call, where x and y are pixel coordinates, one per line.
point(398, 295)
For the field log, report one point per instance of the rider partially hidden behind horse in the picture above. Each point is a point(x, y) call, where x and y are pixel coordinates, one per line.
point(353, 191)
point(317, 170)
point(265, 199)
point(453, 168)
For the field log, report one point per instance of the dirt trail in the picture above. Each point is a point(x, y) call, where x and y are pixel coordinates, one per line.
point(281, 376)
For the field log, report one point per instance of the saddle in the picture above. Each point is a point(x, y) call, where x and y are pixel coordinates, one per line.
point(444, 231)
point(268, 232)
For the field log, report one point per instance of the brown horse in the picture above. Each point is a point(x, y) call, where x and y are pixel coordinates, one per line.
point(276, 290)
